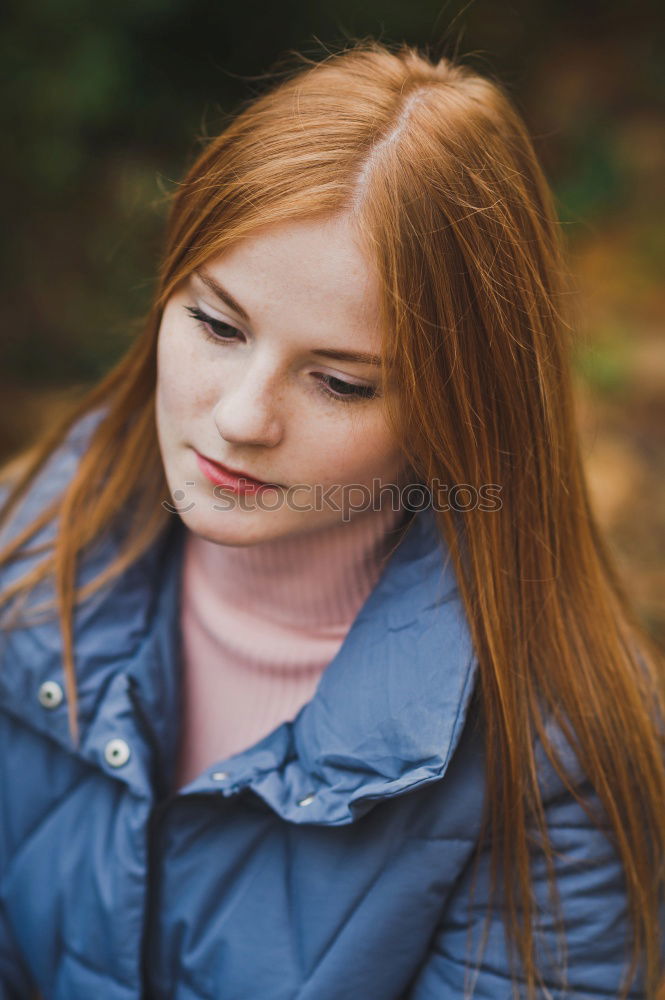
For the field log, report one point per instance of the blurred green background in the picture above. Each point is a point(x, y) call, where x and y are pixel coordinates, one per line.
point(104, 104)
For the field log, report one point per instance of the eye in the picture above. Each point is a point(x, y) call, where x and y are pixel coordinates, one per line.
point(214, 329)
point(346, 392)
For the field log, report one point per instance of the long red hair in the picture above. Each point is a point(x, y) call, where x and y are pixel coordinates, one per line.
point(436, 165)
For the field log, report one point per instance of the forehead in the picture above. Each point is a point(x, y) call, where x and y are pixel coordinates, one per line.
point(310, 273)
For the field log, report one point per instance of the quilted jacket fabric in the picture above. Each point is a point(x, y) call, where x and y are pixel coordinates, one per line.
point(329, 861)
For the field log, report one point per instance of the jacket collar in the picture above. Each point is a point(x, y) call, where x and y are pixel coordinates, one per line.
point(386, 716)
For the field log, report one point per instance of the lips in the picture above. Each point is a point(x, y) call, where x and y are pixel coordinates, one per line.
point(238, 473)
point(222, 475)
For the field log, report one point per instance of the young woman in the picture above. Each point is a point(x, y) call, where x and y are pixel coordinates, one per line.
point(317, 679)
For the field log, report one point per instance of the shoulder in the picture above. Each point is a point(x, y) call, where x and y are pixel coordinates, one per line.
point(49, 483)
point(51, 480)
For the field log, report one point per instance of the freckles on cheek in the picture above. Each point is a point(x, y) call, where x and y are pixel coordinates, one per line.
point(182, 385)
point(171, 391)
point(373, 454)
point(347, 458)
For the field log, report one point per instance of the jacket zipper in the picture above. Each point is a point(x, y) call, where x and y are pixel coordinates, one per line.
point(151, 846)
point(151, 897)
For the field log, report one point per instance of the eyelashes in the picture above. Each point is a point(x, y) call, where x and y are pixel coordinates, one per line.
point(217, 331)
point(207, 323)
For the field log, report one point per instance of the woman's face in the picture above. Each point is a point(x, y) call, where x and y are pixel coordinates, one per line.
point(248, 387)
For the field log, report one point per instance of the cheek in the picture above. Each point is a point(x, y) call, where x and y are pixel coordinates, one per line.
point(359, 454)
point(181, 380)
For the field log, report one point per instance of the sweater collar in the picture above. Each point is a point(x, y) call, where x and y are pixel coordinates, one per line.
point(312, 583)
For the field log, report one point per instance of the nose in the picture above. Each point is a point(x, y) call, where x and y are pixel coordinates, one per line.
point(247, 409)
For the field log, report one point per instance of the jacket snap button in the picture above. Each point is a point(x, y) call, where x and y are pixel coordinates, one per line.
point(116, 752)
point(306, 801)
point(50, 694)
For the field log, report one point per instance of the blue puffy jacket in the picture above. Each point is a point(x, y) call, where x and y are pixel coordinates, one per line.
point(329, 861)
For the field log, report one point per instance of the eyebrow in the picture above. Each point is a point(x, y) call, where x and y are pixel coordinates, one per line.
point(224, 296)
point(221, 293)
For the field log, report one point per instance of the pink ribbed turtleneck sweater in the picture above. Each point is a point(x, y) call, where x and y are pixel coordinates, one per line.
point(261, 622)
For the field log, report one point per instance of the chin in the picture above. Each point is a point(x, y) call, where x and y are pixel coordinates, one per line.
point(236, 528)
